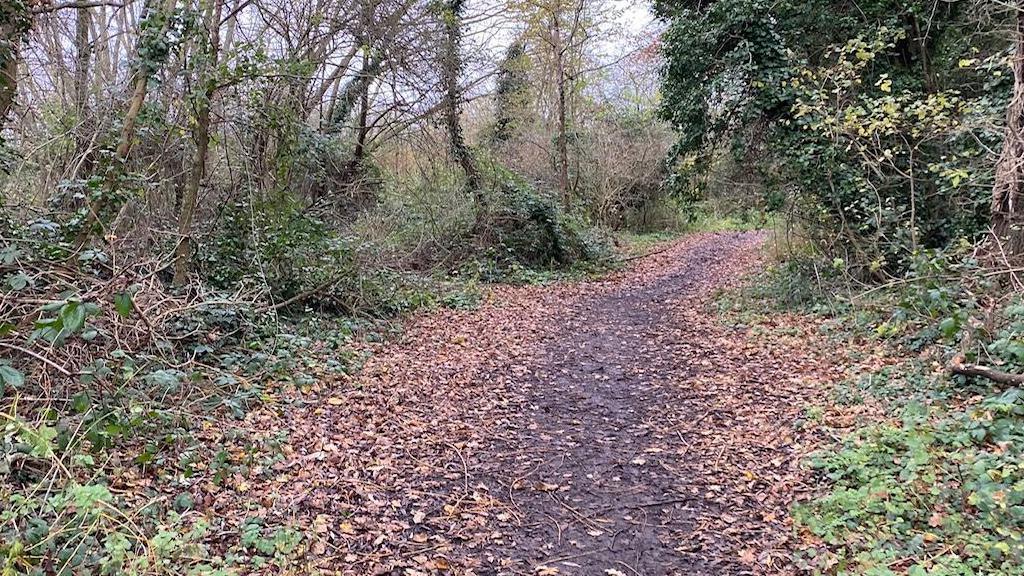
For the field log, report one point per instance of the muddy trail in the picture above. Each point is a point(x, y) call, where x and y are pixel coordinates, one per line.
point(601, 455)
point(610, 427)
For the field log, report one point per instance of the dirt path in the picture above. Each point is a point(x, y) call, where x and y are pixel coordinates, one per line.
point(606, 475)
point(612, 427)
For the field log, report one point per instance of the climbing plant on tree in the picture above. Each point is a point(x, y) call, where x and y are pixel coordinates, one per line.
point(511, 93)
point(451, 70)
point(15, 22)
point(106, 192)
point(874, 120)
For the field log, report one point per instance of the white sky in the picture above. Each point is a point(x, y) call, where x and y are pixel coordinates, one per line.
point(636, 16)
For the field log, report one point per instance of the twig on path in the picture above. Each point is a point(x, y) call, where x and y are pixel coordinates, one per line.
point(663, 502)
point(719, 457)
point(465, 467)
point(558, 527)
point(957, 366)
point(558, 559)
point(630, 568)
point(579, 515)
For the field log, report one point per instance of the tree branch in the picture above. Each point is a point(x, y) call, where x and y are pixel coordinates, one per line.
point(47, 8)
point(957, 366)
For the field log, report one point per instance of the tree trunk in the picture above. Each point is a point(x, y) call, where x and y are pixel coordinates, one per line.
point(1009, 181)
point(563, 124)
point(451, 68)
point(363, 129)
point(83, 57)
point(8, 80)
point(15, 23)
point(207, 83)
point(143, 73)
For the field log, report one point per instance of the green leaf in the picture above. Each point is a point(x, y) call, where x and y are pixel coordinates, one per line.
point(949, 327)
point(81, 402)
point(123, 304)
point(90, 496)
point(40, 440)
point(166, 379)
point(11, 377)
point(8, 255)
point(19, 281)
point(72, 316)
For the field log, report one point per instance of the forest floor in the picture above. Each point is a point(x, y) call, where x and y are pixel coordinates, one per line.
point(619, 426)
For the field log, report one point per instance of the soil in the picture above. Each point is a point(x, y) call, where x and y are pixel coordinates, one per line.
point(612, 427)
point(599, 478)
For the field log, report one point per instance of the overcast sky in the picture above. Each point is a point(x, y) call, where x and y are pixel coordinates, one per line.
point(636, 16)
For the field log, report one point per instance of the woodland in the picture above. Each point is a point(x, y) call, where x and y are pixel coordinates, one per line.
point(527, 287)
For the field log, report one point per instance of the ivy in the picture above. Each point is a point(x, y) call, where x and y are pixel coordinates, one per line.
point(874, 125)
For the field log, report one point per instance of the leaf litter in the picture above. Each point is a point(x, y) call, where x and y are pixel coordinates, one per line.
point(615, 426)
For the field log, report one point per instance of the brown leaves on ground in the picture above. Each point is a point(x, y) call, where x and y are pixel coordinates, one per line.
point(607, 427)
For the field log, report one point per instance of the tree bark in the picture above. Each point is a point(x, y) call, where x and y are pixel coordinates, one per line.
point(13, 27)
point(957, 366)
point(143, 73)
point(83, 57)
point(563, 123)
point(1007, 222)
point(8, 80)
point(203, 101)
point(451, 68)
point(363, 128)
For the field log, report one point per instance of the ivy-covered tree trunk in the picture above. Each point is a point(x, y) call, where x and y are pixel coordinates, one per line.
point(563, 123)
point(510, 96)
point(8, 77)
point(362, 126)
point(1008, 192)
point(451, 67)
point(206, 79)
point(15, 19)
point(83, 57)
point(150, 51)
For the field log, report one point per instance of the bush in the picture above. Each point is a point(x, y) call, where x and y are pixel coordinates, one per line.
point(277, 245)
point(531, 230)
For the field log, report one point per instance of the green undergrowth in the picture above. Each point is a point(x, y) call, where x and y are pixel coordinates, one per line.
point(105, 466)
point(102, 474)
point(636, 244)
point(929, 477)
point(522, 234)
point(123, 402)
point(707, 216)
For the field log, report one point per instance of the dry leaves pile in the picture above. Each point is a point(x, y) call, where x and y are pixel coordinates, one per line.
point(609, 427)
